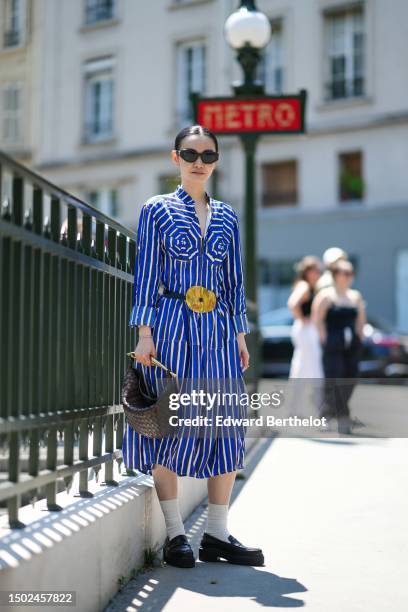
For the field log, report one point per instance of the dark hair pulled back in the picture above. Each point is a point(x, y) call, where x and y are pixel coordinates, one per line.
point(191, 130)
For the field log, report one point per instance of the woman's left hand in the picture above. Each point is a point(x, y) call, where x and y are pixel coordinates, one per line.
point(243, 351)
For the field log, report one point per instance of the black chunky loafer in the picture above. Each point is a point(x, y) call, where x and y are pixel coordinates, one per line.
point(178, 552)
point(213, 549)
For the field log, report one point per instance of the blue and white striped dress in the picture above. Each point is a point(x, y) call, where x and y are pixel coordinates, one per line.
point(172, 253)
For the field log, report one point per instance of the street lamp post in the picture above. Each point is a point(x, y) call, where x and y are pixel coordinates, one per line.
point(248, 31)
point(249, 113)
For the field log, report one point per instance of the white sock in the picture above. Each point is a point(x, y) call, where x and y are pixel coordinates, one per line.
point(172, 518)
point(217, 521)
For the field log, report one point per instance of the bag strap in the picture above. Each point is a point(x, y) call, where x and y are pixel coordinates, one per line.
point(156, 362)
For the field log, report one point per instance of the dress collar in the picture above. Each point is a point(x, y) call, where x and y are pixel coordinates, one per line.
point(182, 194)
point(212, 214)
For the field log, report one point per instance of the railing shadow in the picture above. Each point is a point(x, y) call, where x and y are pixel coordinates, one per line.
point(18, 546)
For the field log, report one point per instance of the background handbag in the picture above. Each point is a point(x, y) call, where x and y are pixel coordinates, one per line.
point(146, 415)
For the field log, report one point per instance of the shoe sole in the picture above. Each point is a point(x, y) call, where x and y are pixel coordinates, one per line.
point(185, 563)
point(215, 554)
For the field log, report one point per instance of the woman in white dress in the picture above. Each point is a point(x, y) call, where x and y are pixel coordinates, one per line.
point(307, 357)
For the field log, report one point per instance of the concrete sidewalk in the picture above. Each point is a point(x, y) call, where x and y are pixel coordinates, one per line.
point(331, 517)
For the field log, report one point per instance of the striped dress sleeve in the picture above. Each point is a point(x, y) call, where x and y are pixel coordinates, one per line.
point(148, 266)
point(233, 281)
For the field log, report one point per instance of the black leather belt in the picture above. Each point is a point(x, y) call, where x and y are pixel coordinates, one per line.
point(180, 296)
point(197, 298)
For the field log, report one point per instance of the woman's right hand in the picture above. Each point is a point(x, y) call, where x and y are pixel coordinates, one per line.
point(144, 349)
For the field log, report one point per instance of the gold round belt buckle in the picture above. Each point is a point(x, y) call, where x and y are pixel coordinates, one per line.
point(200, 299)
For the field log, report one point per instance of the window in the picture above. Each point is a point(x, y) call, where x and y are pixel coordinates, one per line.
point(11, 114)
point(12, 36)
point(99, 87)
point(106, 200)
point(272, 272)
point(351, 184)
point(98, 10)
point(191, 58)
point(279, 180)
point(271, 66)
point(345, 54)
point(275, 282)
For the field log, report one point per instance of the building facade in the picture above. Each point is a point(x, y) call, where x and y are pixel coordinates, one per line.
point(17, 60)
point(106, 86)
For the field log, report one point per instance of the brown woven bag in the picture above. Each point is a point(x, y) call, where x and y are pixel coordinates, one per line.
point(146, 415)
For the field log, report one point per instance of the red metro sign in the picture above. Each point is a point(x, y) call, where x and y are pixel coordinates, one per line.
point(252, 114)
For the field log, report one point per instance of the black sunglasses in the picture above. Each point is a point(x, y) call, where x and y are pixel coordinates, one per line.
point(191, 155)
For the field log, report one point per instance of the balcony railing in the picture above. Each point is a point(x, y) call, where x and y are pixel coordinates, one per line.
point(66, 281)
point(343, 88)
point(98, 130)
point(11, 38)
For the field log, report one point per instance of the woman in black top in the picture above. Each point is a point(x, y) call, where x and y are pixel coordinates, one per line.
point(339, 313)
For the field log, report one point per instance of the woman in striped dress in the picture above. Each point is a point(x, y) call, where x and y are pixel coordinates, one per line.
point(187, 239)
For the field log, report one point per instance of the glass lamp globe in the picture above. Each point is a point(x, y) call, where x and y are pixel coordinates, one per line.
point(245, 26)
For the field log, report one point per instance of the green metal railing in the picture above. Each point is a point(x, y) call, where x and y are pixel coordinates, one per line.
point(66, 282)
